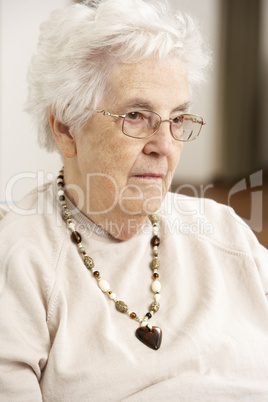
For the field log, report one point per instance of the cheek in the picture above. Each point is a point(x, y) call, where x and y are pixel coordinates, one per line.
point(109, 153)
point(175, 157)
point(122, 156)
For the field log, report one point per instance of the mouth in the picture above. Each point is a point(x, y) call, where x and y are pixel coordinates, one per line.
point(150, 176)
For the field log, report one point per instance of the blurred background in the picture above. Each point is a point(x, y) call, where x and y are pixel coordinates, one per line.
point(229, 161)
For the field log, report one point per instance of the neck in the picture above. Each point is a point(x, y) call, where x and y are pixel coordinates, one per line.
point(119, 225)
point(122, 228)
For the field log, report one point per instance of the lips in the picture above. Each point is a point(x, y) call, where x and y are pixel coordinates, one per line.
point(144, 171)
point(149, 175)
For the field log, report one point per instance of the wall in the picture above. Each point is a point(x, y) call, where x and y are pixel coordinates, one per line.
point(264, 85)
point(19, 152)
point(201, 159)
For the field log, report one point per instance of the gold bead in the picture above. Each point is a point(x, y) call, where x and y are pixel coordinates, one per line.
point(121, 306)
point(88, 261)
point(66, 214)
point(154, 307)
point(155, 263)
point(153, 218)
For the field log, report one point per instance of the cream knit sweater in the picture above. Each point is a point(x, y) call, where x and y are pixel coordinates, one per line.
point(61, 338)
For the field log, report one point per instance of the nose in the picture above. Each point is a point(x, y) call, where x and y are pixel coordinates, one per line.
point(161, 142)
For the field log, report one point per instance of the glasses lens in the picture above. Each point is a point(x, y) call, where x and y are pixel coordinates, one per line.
point(141, 123)
point(186, 127)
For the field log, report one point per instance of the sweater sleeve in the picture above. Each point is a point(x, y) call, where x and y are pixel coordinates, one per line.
point(262, 264)
point(238, 236)
point(260, 256)
point(25, 285)
point(244, 239)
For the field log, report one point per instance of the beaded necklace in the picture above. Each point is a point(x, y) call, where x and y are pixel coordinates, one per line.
point(149, 335)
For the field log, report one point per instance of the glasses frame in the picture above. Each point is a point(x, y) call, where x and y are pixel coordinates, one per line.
point(123, 116)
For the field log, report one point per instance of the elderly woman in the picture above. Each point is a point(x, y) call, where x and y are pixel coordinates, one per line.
point(110, 89)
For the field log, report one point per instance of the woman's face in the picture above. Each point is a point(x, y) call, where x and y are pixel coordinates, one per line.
point(125, 175)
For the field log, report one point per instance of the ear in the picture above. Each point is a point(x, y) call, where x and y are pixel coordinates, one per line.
point(62, 136)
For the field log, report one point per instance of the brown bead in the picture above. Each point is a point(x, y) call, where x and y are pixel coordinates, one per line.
point(155, 275)
point(155, 241)
point(155, 263)
point(96, 274)
point(121, 306)
point(76, 237)
point(88, 261)
point(133, 315)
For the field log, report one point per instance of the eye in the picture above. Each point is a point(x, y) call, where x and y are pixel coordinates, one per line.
point(178, 120)
point(134, 116)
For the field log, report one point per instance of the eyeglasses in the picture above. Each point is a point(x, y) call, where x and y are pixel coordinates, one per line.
point(144, 123)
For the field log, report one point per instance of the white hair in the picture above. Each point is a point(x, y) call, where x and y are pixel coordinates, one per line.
point(79, 44)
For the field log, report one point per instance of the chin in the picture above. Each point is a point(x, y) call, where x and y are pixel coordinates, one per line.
point(151, 204)
point(146, 206)
point(144, 202)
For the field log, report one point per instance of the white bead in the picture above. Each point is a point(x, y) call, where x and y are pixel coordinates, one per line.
point(157, 297)
point(104, 285)
point(156, 286)
point(71, 226)
point(155, 231)
point(81, 248)
point(113, 296)
point(60, 192)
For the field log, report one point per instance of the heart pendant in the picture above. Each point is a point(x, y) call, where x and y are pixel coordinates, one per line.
point(151, 337)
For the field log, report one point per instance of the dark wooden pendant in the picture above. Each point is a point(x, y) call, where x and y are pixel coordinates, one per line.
point(151, 337)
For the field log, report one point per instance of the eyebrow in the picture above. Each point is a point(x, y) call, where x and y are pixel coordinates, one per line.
point(138, 103)
point(181, 108)
point(141, 104)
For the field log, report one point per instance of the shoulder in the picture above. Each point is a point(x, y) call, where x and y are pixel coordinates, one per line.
point(207, 225)
point(32, 229)
point(206, 218)
point(215, 225)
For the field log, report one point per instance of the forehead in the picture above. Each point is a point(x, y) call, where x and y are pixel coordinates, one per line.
point(158, 83)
